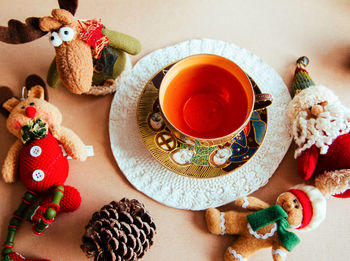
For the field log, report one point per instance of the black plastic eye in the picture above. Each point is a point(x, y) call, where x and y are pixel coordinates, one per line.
point(52, 38)
point(296, 206)
point(23, 107)
point(31, 104)
point(295, 201)
point(66, 32)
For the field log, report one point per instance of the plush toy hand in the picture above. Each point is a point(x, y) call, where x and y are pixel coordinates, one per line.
point(70, 142)
point(251, 203)
point(307, 162)
point(279, 253)
point(9, 168)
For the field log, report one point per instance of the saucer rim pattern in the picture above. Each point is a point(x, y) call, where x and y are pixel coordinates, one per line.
point(189, 170)
point(164, 186)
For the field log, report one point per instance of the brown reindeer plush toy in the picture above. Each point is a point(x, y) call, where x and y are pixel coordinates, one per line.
point(263, 226)
point(37, 159)
point(90, 59)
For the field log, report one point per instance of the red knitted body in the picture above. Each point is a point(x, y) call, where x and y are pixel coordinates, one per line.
point(311, 162)
point(70, 202)
point(337, 157)
point(50, 161)
point(345, 194)
point(17, 257)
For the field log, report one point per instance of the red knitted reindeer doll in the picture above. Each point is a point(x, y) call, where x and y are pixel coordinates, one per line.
point(38, 159)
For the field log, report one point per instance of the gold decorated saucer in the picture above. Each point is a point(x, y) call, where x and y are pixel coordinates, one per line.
point(194, 160)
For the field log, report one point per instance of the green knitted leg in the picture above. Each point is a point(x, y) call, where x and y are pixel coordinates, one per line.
point(16, 221)
point(50, 212)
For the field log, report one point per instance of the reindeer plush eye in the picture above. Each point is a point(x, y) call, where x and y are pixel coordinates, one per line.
point(55, 39)
point(66, 33)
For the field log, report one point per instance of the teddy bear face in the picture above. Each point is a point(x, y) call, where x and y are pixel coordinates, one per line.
point(290, 203)
point(25, 112)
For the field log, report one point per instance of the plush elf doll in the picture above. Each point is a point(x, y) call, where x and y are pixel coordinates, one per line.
point(263, 226)
point(320, 125)
point(90, 59)
point(37, 158)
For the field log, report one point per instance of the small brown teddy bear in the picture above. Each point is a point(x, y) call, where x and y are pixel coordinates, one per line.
point(302, 207)
point(37, 158)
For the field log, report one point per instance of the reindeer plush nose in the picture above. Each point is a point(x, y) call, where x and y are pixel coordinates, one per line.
point(30, 112)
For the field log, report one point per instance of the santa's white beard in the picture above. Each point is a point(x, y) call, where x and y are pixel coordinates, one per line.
point(320, 131)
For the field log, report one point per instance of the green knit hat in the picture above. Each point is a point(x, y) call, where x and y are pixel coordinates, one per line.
point(302, 79)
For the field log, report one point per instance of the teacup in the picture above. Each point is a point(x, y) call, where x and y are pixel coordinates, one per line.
point(207, 99)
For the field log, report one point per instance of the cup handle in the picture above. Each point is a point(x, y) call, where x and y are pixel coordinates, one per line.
point(262, 100)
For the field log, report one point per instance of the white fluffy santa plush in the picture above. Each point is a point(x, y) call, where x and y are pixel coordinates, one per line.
point(320, 126)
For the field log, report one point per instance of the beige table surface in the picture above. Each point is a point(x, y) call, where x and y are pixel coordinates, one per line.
point(277, 31)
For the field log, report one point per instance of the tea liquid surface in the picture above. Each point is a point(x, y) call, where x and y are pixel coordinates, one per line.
point(205, 102)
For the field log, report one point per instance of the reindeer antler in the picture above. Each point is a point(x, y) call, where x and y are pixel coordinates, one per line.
point(17, 32)
point(69, 5)
point(5, 94)
point(33, 80)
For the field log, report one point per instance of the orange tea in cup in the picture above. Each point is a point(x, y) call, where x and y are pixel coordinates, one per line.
point(206, 97)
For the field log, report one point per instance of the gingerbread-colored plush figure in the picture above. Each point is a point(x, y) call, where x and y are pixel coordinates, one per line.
point(90, 59)
point(262, 226)
point(38, 160)
point(320, 126)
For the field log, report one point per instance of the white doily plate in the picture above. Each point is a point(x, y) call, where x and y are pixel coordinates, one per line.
point(159, 183)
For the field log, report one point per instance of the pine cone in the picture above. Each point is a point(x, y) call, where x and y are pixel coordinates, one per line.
point(119, 231)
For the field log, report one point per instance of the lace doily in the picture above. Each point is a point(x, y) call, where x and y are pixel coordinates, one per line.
point(177, 191)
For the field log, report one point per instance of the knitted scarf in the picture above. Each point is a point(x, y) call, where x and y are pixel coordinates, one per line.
point(274, 214)
point(37, 130)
